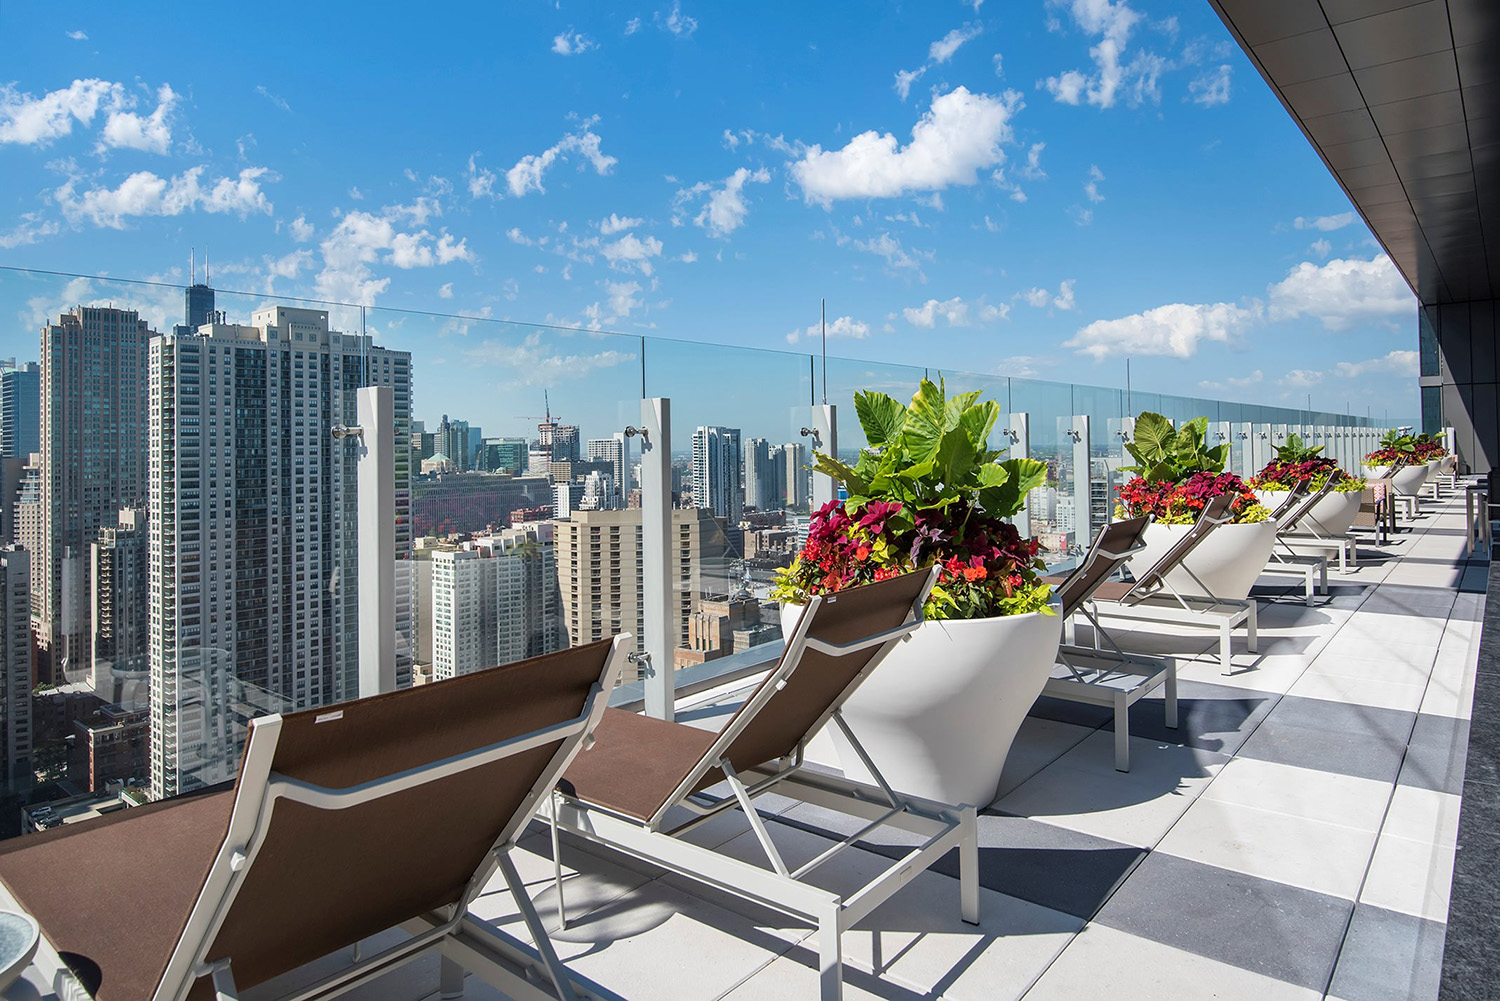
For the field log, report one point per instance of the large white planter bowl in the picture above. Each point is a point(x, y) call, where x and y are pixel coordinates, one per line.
point(938, 715)
point(1407, 481)
point(1332, 516)
point(1227, 562)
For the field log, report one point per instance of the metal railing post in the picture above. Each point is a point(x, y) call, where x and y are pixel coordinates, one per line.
point(825, 427)
point(1083, 533)
point(1018, 446)
point(375, 479)
point(658, 579)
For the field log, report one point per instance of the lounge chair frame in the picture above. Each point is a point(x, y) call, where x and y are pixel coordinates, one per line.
point(783, 888)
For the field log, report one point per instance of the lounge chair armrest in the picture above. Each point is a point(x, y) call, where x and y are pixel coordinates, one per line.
point(844, 649)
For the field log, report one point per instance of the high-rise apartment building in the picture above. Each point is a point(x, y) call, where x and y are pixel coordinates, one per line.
point(717, 468)
point(453, 441)
point(119, 598)
point(504, 455)
point(798, 476)
point(616, 451)
point(15, 668)
point(20, 410)
point(494, 601)
point(760, 476)
point(253, 564)
point(599, 571)
point(93, 454)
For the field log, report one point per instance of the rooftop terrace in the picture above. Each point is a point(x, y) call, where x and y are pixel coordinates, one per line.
point(1294, 838)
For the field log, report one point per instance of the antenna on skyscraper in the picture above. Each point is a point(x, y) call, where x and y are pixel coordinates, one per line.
point(192, 265)
point(206, 279)
point(547, 406)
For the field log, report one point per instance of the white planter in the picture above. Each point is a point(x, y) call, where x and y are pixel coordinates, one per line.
point(1407, 481)
point(1332, 516)
point(1227, 562)
point(939, 714)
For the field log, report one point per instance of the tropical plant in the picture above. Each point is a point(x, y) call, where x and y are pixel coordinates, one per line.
point(1167, 454)
point(927, 490)
point(1297, 450)
point(1295, 463)
point(1426, 448)
point(1395, 446)
point(1177, 474)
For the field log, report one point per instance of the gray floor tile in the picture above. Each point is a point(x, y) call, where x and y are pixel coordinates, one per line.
point(1065, 711)
point(1435, 758)
point(1393, 957)
point(1209, 717)
point(1333, 736)
point(1255, 924)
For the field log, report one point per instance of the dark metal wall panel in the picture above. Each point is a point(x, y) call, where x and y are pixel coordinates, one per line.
point(1482, 341)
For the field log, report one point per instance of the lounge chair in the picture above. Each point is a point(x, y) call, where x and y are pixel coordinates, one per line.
point(1304, 531)
point(622, 793)
point(344, 823)
point(1377, 507)
point(1285, 561)
point(1112, 677)
point(1151, 598)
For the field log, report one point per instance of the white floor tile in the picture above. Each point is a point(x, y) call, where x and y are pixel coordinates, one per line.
point(1302, 792)
point(1394, 670)
point(1423, 815)
point(1412, 877)
point(1312, 854)
point(1359, 691)
point(1105, 963)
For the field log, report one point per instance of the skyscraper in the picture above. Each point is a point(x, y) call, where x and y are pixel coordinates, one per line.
point(760, 480)
point(253, 534)
point(616, 451)
point(453, 441)
point(20, 410)
point(798, 476)
point(717, 467)
point(93, 449)
point(15, 668)
point(120, 599)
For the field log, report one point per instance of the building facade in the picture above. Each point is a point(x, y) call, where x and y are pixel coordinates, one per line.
point(717, 468)
point(15, 668)
point(20, 410)
point(253, 562)
point(93, 463)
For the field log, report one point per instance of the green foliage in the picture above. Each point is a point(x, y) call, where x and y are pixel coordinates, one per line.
point(1164, 454)
point(932, 455)
point(1295, 450)
point(1395, 441)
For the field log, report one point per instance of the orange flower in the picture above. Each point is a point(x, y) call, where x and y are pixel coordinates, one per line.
point(975, 573)
point(862, 553)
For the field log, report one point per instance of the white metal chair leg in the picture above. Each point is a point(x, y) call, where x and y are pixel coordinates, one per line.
point(1226, 648)
point(1169, 692)
point(543, 944)
point(968, 865)
point(1122, 733)
point(830, 957)
point(1252, 640)
point(557, 874)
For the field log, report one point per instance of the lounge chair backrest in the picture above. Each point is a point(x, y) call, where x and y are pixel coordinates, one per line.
point(1109, 552)
point(1214, 514)
point(333, 859)
point(1288, 520)
point(808, 684)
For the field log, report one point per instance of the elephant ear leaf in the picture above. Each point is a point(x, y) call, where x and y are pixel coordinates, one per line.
point(881, 417)
point(924, 422)
point(841, 472)
point(1154, 437)
point(1006, 498)
point(977, 422)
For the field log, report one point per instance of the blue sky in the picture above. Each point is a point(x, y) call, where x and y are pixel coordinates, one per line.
point(1032, 189)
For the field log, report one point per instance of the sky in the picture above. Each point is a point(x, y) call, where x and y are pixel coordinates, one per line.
point(1009, 188)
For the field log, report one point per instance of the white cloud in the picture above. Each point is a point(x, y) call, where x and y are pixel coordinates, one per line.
point(676, 22)
point(622, 298)
point(29, 230)
point(1324, 223)
point(1402, 363)
point(1233, 382)
point(1211, 88)
point(302, 230)
point(1037, 297)
point(905, 78)
point(1041, 298)
point(942, 50)
point(1091, 189)
point(1175, 330)
point(1033, 169)
point(527, 174)
point(481, 179)
point(630, 252)
point(1301, 378)
point(149, 134)
point(362, 240)
point(145, 194)
point(37, 121)
point(844, 326)
point(445, 290)
point(1342, 292)
point(275, 99)
point(1024, 366)
point(1064, 297)
point(724, 209)
point(571, 43)
point(959, 135)
point(290, 265)
point(1321, 247)
point(533, 363)
point(1111, 23)
point(632, 26)
point(613, 224)
point(955, 312)
point(688, 257)
point(897, 257)
point(79, 36)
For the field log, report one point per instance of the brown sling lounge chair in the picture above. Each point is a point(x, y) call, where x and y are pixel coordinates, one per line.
point(345, 822)
point(1112, 677)
point(619, 794)
point(1153, 599)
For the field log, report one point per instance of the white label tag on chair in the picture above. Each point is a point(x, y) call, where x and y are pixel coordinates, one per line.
point(328, 717)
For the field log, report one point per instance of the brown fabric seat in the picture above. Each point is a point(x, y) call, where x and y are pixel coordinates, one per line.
point(636, 763)
point(114, 894)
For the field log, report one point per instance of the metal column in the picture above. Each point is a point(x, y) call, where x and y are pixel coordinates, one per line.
point(657, 565)
point(1018, 433)
point(1083, 533)
point(825, 428)
point(376, 483)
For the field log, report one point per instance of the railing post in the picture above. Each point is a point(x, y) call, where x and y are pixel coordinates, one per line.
point(1083, 522)
point(657, 576)
point(375, 478)
point(825, 428)
point(1018, 437)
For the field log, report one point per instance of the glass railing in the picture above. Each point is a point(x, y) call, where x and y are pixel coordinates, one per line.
point(519, 505)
